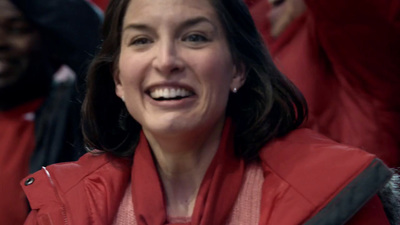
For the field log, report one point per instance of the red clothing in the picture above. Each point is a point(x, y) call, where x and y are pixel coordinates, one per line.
point(248, 200)
point(221, 183)
point(344, 56)
point(307, 178)
point(17, 141)
point(101, 3)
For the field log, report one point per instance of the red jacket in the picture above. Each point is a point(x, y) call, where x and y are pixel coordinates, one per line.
point(307, 179)
point(344, 56)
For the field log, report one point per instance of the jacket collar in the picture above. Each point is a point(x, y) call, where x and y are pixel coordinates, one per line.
point(323, 181)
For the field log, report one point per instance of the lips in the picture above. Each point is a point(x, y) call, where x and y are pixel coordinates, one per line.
point(169, 93)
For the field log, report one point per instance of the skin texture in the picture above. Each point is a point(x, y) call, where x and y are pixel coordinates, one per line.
point(18, 40)
point(281, 15)
point(179, 44)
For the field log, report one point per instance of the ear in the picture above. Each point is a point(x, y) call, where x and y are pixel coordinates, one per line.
point(239, 77)
point(119, 90)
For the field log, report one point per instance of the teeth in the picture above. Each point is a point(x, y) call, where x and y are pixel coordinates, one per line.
point(169, 93)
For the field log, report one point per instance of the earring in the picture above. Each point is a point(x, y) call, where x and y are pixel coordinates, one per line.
point(234, 90)
point(123, 98)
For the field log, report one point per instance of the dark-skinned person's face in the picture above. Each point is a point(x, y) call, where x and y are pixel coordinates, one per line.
point(18, 40)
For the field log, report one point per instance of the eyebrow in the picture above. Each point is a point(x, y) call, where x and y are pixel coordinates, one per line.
point(185, 24)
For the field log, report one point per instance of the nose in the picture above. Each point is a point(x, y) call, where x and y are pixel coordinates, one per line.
point(167, 58)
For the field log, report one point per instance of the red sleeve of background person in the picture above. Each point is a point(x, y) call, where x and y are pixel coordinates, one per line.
point(17, 142)
point(344, 56)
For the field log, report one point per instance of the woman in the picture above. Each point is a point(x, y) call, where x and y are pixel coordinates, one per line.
point(193, 123)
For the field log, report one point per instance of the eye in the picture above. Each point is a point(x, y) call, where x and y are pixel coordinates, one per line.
point(195, 38)
point(141, 41)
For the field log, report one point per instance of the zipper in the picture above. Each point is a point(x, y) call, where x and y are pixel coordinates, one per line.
point(63, 210)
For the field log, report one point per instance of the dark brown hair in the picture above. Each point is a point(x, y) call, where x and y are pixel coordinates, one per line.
point(267, 106)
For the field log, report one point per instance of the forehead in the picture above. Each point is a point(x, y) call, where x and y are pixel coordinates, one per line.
point(168, 10)
point(8, 10)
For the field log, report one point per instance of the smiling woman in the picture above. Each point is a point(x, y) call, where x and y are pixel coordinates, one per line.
point(183, 49)
point(189, 122)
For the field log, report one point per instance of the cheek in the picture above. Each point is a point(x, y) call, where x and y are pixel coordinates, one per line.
point(131, 78)
point(133, 63)
point(216, 76)
point(124, 64)
point(128, 73)
point(26, 45)
point(218, 72)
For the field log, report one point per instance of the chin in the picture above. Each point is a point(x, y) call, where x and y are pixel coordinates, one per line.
point(169, 126)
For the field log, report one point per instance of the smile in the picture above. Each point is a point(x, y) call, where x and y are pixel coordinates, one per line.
point(169, 93)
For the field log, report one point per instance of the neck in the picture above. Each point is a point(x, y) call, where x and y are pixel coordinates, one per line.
point(182, 163)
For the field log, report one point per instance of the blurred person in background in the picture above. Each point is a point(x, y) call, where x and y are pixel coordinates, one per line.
point(344, 56)
point(39, 102)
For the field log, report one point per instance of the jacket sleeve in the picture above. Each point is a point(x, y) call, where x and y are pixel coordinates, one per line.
point(361, 40)
point(32, 218)
point(70, 29)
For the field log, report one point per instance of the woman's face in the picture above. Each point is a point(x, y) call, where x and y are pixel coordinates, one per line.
point(175, 70)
